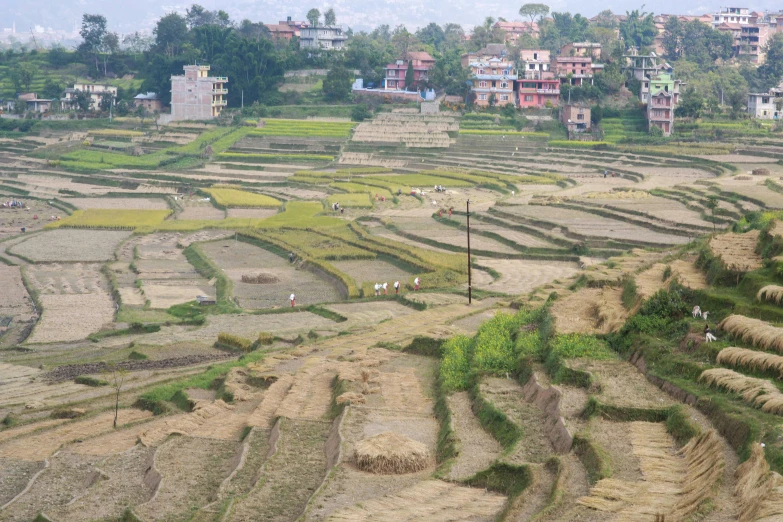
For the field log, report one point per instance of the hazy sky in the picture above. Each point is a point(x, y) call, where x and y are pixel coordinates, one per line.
point(126, 16)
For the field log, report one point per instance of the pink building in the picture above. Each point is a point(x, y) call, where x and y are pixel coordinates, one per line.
point(196, 95)
point(514, 30)
point(538, 89)
point(394, 73)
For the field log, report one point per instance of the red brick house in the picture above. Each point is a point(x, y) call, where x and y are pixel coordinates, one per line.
point(578, 70)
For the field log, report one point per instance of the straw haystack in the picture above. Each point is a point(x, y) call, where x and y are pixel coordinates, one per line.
point(772, 293)
point(351, 398)
point(754, 359)
point(758, 489)
point(391, 453)
point(761, 334)
point(758, 392)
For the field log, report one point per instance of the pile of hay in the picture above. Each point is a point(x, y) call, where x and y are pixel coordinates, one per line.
point(760, 333)
point(351, 398)
point(705, 463)
point(773, 293)
point(259, 279)
point(753, 359)
point(758, 392)
point(737, 251)
point(391, 453)
point(759, 490)
point(619, 194)
point(760, 172)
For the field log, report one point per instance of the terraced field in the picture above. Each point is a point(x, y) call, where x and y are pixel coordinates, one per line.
point(577, 385)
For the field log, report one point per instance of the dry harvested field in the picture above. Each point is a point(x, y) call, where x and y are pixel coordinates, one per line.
point(519, 276)
point(373, 271)
point(761, 193)
point(66, 278)
point(194, 208)
point(593, 225)
point(70, 245)
point(13, 220)
point(16, 302)
point(430, 229)
point(72, 317)
point(667, 210)
point(737, 251)
point(520, 238)
point(238, 259)
point(119, 203)
point(251, 213)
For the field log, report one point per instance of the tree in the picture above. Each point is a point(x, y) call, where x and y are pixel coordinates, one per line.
point(360, 112)
point(137, 43)
point(712, 204)
point(92, 32)
point(122, 108)
point(330, 19)
point(672, 37)
point(82, 101)
point(253, 30)
point(115, 376)
point(409, 77)
point(337, 85)
point(772, 70)
point(171, 32)
point(534, 11)
point(638, 29)
point(431, 34)
point(691, 104)
point(313, 16)
point(197, 16)
point(606, 19)
point(109, 45)
point(402, 41)
point(23, 75)
point(141, 113)
point(107, 102)
point(52, 89)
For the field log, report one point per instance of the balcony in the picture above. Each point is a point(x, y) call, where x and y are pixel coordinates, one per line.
point(659, 117)
point(219, 91)
point(220, 79)
point(219, 103)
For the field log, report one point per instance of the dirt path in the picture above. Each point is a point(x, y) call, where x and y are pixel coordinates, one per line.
point(477, 448)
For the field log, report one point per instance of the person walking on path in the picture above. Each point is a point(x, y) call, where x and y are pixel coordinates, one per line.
point(416, 283)
point(293, 300)
point(396, 287)
point(385, 288)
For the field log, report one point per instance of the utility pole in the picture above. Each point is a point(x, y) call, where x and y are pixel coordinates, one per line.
point(470, 286)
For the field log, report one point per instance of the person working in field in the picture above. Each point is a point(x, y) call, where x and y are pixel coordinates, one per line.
point(708, 337)
point(377, 289)
point(385, 288)
point(416, 283)
point(293, 300)
point(396, 287)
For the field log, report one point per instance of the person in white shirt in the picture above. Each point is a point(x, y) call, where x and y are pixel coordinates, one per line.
point(416, 283)
point(385, 288)
point(293, 300)
point(396, 287)
point(377, 289)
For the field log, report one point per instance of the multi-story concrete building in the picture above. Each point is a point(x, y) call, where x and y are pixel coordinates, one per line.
point(731, 15)
point(538, 89)
point(394, 73)
point(493, 50)
point(662, 94)
point(96, 91)
point(763, 105)
point(576, 70)
point(330, 38)
point(643, 66)
point(576, 117)
point(582, 49)
point(493, 81)
point(534, 60)
point(753, 40)
point(514, 30)
point(196, 95)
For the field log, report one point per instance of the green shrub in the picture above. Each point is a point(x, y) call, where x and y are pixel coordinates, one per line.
point(628, 295)
point(265, 338)
point(136, 356)
point(527, 344)
point(494, 347)
point(455, 368)
point(575, 345)
point(89, 381)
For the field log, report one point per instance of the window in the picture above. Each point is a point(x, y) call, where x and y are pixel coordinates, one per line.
point(532, 67)
point(480, 71)
point(580, 116)
point(504, 97)
point(503, 85)
point(764, 100)
point(482, 84)
point(482, 97)
point(535, 56)
point(528, 98)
